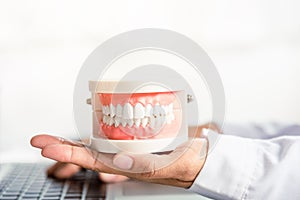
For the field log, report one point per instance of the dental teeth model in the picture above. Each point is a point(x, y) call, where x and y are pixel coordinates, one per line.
point(138, 115)
point(136, 120)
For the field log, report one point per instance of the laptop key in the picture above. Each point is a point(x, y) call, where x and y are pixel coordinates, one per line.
point(73, 195)
point(52, 193)
point(13, 193)
point(31, 195)
point(32, 192)
point(8, 198)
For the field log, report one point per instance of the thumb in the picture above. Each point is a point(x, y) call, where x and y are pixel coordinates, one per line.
point(140, 163)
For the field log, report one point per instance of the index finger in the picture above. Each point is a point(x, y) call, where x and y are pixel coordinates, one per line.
point(43, 140)
point(80, 156)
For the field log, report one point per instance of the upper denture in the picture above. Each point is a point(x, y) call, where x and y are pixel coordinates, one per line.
point(128, 115)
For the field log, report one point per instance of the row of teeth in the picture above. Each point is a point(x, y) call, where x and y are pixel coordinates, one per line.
point(138, 115)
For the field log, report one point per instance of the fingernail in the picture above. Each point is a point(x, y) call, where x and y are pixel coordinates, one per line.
point(108, 177)
point(123, 161)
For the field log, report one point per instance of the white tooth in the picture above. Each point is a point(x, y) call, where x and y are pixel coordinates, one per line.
point(162, 111)
point(119, 111)
point(163, 120)
point(137, 122)
point(164, 108)
point(171, 107)
point(152, 122)
point(111, 121)
point(105, 119)
point(130, 122)
point(105, 110)
point(128, 111)
point(112, 110)
point(123, 121)
point(117, 121)
point(172, 116)
point(168, 119)
point(144, 121)
point(156, 110)
point(167, 110)
point(139, 111)
point(148, 110)
point(158, 122)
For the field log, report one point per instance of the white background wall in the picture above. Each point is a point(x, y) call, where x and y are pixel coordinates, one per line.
point(255, 45)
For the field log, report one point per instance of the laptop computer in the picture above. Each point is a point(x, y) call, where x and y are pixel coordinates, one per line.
point(29, 181)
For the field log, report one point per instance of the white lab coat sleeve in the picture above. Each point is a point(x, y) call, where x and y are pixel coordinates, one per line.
point(261, 131)
point(242, 168)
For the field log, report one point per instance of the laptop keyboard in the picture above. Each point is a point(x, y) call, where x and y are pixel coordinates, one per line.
point(29, 181)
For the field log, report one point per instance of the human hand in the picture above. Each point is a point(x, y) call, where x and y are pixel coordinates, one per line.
point(188, 161)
